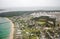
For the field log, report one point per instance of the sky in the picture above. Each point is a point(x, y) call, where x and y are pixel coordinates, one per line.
point(29, 3)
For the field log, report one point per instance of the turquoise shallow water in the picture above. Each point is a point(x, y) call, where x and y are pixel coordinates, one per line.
point(5, 28)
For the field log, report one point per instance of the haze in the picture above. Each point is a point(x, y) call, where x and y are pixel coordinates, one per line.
point(29, 3)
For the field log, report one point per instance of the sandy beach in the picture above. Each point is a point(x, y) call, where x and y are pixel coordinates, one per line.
point(12, 29)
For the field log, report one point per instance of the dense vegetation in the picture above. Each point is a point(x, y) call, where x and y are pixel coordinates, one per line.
point(19, 13)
